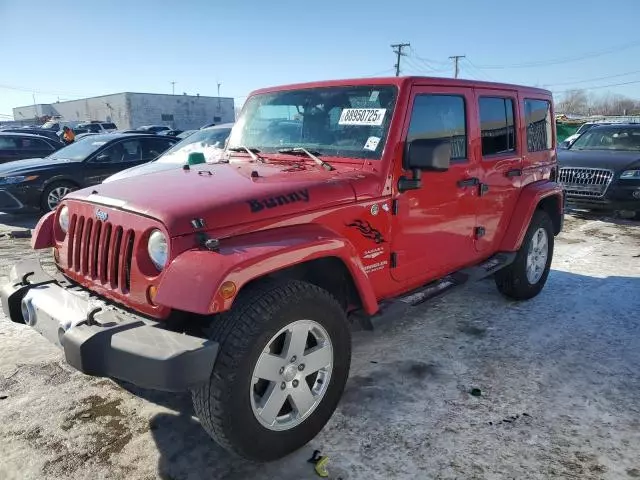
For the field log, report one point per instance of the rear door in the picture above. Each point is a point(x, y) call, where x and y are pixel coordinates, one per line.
point(501, 163)
point(35, 147)
point(433, 231)
point(152, 148)
point(8, 149)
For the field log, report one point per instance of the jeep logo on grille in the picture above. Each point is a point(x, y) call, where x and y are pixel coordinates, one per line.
point(101, 215)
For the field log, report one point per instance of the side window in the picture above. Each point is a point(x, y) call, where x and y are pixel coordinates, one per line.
point(154, 147)
point(7, 143)
point(497, 125)
point(539, 126)
point(440, 116)
point(35, 144)
point(129, 151)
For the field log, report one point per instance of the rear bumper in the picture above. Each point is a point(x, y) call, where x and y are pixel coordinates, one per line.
point(99, 340)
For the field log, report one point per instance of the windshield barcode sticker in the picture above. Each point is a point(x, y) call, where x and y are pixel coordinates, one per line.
point(362, 116)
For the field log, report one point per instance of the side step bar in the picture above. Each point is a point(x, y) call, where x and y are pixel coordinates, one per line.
point(398, 306)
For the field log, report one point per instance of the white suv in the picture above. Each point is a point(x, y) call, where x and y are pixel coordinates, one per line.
point(99, 127)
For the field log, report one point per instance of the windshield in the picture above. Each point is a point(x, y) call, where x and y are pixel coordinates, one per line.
point(614, 138)
point(209, 141)
point(80, 149)
point(336, 121)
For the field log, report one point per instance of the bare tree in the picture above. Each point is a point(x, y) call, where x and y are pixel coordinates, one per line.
point(574, 101)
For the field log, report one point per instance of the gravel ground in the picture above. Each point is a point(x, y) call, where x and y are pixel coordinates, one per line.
point(558, 380)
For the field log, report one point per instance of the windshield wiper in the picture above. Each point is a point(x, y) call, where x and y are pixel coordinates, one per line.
point(311, 154)
point(251, 151)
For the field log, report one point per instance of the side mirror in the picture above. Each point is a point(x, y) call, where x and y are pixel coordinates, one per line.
point(424, 154)
point(103, 158)
point(428, 154)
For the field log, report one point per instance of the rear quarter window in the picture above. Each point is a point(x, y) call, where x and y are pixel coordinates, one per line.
point(539, 125)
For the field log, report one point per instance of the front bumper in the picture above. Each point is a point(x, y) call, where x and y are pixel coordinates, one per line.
point(618, 196)
point(19, 198)
point(99, 340)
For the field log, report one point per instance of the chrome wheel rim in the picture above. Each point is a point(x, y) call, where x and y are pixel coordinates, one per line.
point(55, 196)
point(537, 255)
point(291, 375)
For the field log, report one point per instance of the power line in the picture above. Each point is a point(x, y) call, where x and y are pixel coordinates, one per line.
point(479, 72)
point(455, 59)
point(427, 60)
point(39, 92)
point(556, 61)
point(397, 49)
point(377, 74)
point(592, 79)
point(599, 86)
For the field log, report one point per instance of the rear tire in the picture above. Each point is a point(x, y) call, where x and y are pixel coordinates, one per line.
point(527, 275)
point(257, 361)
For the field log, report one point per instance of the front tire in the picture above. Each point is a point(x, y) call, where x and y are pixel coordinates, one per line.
point(53, 195)
point(527, 275)
point(285, 352)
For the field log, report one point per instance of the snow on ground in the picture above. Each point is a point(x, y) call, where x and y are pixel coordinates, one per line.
point(558, 377)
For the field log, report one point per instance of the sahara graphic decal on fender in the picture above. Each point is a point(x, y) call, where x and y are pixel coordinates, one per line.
point(367, 230)
point(376, 252)
point(278, 200)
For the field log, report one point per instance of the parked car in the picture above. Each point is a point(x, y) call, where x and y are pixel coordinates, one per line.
point(153, 128)
point(16, 146)
point(57, 125)
point(172, 133)
point(601, 169)
point(567, 142)
point(210, 142)
point(40, 183)
point(241, 279)
point(186, 133)
point(43, 132)
point(99, 127)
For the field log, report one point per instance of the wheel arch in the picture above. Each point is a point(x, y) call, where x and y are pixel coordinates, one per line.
point(544, 195)
point(306, 252)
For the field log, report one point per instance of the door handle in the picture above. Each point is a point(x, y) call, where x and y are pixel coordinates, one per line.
point(469, 182)
point(516, 172)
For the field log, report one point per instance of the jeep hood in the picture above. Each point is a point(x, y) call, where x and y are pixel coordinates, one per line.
point(224, 195)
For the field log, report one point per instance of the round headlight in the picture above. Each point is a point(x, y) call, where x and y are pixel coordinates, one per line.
point(158, 249)
point(63, 219)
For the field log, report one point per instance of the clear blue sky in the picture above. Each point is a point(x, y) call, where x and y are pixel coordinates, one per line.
point(74, 49)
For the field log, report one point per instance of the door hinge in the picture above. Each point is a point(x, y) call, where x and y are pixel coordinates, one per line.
point(479, 232)
point(395, 206)
point(393, 260)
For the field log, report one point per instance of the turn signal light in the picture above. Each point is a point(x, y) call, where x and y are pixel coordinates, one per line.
point(152, 291)
point(228, 290)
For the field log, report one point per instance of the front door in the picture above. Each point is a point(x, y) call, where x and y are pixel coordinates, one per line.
point(112, 159)
point(433, 230)
point(501, 149)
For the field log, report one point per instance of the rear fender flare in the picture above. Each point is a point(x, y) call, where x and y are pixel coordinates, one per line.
point(193, 279)
point(528, 202)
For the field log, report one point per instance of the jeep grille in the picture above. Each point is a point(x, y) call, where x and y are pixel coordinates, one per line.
point(100, 251)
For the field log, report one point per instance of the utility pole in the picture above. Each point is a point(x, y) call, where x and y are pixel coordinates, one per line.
point(455, 59)
point(219, 104)
point(397, 49)
point(173, 88)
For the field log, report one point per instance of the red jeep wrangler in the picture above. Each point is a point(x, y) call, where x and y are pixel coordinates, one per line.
point(334, 201)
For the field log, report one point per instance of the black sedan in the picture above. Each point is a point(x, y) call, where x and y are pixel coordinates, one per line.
point(43, 132)
point(601, 169)
point(40, 183)
point(16, 146)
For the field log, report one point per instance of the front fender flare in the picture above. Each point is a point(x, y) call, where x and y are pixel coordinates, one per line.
point(528, 201)
point(192, 280)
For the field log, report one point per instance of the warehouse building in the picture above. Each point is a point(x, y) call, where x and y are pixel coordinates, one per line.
point(132, 110)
